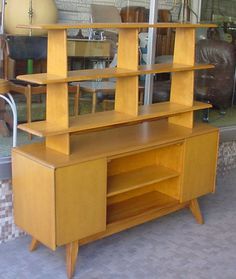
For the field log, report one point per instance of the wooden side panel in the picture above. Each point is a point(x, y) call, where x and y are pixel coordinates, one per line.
point(57, 94)
point(34, 199)
point(169, 187)
point(126, 99)
point(80, 200)
point(131, 162)
point(182, 85)
point(200, 161)
point(60, 143)
point(57, 111)
point(170, 157)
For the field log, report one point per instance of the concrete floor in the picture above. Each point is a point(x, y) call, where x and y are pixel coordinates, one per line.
point(173, 247)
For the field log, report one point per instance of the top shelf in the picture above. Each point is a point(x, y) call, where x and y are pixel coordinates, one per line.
point(114, 26)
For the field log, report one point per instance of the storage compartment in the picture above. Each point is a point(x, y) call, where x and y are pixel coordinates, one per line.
point(142, 169)
point(149, 180)
point(145, 204)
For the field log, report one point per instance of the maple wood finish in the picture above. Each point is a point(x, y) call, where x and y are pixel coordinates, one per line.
point(91, 74)
point(105, 172)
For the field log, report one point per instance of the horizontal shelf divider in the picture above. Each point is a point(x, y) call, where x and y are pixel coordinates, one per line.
point(103, 120)
point(139, 205)
point(110, 25)
point(138, 178)
point(93, 74)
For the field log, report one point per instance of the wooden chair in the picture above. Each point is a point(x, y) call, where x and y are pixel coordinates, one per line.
point(5, 119)
point(33, 48)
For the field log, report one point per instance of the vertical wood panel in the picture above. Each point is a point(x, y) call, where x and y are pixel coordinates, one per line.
point(182, 85)
point(57, 94)
point(126, 99)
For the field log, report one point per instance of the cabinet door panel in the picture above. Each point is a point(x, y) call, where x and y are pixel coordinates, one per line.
point(200, 160)
point(80, 200)
point(34, 199)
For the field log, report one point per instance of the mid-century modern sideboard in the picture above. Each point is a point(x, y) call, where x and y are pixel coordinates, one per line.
point(101, 173)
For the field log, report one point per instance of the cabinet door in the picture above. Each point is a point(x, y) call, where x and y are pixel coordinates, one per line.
point(34, 202)
point(80, 200)
point(200, 158)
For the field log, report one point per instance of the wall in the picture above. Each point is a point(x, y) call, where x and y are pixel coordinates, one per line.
point(8, 229)
point(78, 10)
point(221, 7)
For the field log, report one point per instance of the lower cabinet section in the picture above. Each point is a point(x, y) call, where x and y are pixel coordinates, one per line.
point(92, 199)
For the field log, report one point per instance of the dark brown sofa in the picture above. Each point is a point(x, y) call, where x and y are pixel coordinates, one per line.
point(215, 85)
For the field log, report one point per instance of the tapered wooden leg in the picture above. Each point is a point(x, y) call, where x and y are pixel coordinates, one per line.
point(71, 257)
point(33, 245)
point(195, 209)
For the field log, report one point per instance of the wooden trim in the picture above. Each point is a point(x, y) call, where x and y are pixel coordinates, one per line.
point(114, 26)
point(91, 74)
point(108, 119)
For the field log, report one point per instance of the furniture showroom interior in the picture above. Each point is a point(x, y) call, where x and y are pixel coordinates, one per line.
point(118, 139)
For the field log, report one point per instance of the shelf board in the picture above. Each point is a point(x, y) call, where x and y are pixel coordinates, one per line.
point(138, 178)
point(113, 142)
point(113, 26)
point(93, 74)
point(107, 119)
point(139, 205)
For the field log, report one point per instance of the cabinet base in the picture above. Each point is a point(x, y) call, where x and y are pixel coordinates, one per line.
point(72, 248)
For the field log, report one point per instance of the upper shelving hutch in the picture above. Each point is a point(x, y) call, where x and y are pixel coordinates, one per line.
point(179, 110)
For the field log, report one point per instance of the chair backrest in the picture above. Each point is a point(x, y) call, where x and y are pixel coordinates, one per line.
point(217, 52)
point(26, 47)
point(104, 13)
point(217, 82)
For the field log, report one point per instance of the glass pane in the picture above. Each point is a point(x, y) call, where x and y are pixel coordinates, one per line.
point(217, 86)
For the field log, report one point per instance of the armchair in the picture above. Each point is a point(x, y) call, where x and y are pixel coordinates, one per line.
point(215, 85)
point(24, 48)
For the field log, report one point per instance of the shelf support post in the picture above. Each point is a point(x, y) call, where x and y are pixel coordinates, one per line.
point(126, 99)
point(57, 111)
point(182, 86)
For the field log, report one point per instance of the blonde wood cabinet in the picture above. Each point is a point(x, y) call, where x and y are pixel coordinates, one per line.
point(58, 205)
point(98, 174)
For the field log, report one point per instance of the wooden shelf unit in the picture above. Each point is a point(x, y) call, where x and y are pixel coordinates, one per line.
point(101, 120)
point(106, 172)
point(93, 74)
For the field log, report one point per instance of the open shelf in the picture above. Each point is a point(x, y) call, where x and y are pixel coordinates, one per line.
point(102, 120)
point(138, 178)
point(93, 74)
point(139, 205)
point(114, 26)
